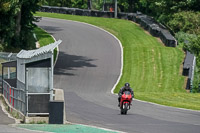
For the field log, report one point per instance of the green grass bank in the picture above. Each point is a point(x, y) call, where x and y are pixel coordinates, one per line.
point(44, 39)
point(153, 70)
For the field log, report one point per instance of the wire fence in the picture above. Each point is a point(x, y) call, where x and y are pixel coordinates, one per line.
point(8, 56)
point(15, 97)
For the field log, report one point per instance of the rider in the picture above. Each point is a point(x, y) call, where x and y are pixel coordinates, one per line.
point(123, 89)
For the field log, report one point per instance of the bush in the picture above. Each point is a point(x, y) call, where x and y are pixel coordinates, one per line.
point(183, 38)
point(196, 81)
point(185, 21)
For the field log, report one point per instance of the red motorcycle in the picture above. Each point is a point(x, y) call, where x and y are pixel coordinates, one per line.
point(125, 102)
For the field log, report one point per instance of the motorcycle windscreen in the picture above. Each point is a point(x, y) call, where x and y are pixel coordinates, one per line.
point(127, 93)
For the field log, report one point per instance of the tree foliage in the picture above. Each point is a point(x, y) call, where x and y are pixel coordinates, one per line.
point(185, 21)
point(8, 10)
point(66, 3)
point(179, 15)
point(28, 7)
point(194, 45)
point(17, 23)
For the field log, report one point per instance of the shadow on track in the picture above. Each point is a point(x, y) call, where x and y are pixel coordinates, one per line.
point(51, 30)
point(71, 62)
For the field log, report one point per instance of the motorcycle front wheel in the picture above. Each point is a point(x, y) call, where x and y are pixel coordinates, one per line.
point(124, 109)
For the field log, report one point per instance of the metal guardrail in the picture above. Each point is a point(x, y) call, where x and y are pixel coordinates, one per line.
point(189, 68)
point(15, 97)
point(193, 69)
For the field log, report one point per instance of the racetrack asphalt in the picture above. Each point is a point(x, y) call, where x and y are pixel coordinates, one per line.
point(87, 68)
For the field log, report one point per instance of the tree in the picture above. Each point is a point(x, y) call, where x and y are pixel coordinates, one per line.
point(128, 5)
point(194, 45)
point(89, 4)
point(162, 10)
point(17, 25)
point(8, 9)
point(28, 7)
point(80, 4)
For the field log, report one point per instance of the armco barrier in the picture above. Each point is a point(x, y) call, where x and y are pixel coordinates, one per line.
point(130, 16)
point(148, 23)
point(122, 15)
point(86, 13)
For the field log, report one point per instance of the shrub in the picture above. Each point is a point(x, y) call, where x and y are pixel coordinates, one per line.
point(185, 21)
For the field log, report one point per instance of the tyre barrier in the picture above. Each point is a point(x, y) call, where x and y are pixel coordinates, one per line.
point(147, 22)
point(188, 69)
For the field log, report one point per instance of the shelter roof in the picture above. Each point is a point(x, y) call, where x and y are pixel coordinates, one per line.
point(27, 54)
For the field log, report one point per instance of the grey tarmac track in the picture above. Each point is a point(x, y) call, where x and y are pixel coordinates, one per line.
point(87, 68)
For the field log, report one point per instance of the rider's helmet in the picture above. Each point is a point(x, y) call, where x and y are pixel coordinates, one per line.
point(127, 85)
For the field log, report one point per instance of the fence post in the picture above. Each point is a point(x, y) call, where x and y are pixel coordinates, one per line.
point(26, 91)
point(2, 81)
point(51, 77)
point(115, 8)
point(13, 96)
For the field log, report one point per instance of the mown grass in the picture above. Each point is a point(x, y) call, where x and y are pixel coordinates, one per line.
point(44, 38)
point(153, 70)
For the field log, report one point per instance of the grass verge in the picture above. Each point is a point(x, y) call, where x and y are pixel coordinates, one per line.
point(44, 39)
point(153, 70)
